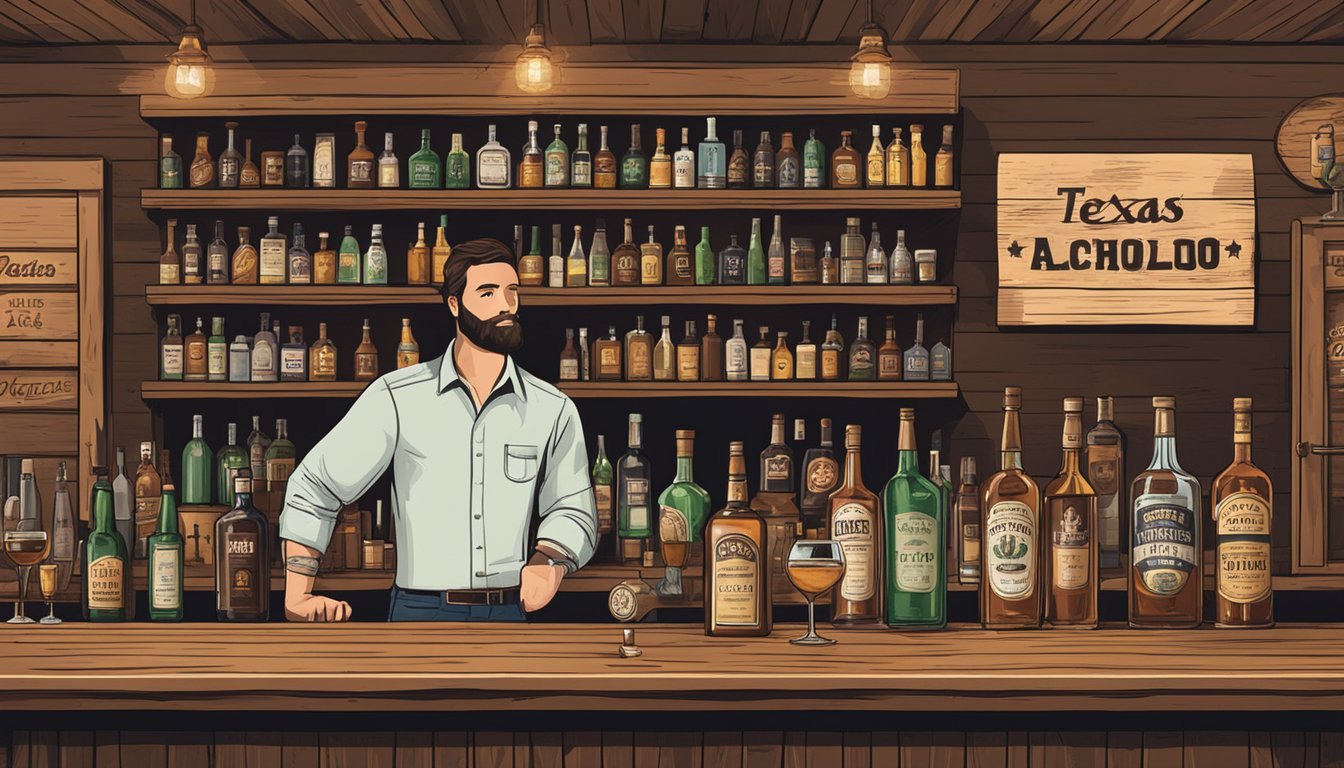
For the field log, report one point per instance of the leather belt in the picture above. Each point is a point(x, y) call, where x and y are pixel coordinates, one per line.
point(505, 596)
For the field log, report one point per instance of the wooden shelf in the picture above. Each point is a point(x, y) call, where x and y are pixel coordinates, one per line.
point(272, 200)
point(196, 390)
point(755, 295)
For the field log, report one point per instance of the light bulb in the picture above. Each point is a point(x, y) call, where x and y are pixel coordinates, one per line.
point(190, 73)
point(534, 72)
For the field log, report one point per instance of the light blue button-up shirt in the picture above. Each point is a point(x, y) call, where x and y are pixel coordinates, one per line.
point(465, 484)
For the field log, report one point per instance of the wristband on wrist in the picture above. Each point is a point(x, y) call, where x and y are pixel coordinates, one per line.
point(301, 564)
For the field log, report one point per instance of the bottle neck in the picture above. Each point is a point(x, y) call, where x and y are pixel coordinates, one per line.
point(908, 454)
point(1241, 453)
point(1011, 447)
point(684, 470)
point(853, 468)
point(636, 439)
point(103, 517)
point(602, 446)
point(168, 511)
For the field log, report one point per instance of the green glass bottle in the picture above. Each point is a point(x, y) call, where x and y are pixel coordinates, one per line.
point(634, 166)
point(916, 554)
point(457, 168)
point(232, 459)
point(814, 162)
point(706, 266)
point(755, 256)
point(556, 160)
point(633, 475)
point(683, 507)
point(280, 456)
point(423, 168)
point(348, 259)
point(604, 479)
point(197, 466)
point(107, 567)
point(165, 550)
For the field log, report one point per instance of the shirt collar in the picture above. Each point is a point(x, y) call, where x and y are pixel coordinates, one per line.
point(448, 375)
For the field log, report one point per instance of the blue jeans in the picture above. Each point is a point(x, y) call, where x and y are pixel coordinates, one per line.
point(412, 607)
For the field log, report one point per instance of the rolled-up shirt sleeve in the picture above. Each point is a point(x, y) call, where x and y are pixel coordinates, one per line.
point(340, 468)
point(565, 497)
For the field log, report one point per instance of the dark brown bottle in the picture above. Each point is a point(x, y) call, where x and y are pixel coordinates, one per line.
point(625, 259)
point(763, 164)
point(739, 165)
point(820, 476)
point(242, 562)
point(680, 268)
point(1010, 587)
point(1243, 500)
point(711, 351)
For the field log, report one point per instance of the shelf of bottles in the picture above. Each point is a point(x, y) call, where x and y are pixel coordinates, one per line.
point(349, 390)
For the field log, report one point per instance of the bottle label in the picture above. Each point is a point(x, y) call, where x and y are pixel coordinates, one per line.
point(812, 174)
point(263, 361)
point(641, 364)
point(609, 360)
point(889, 364)
point(242, 558)
point(292, 362)
point(172, 360)
point(660, 173)
point(970, 542)
point(851, 270)
point(847, 173)
point(917, 365)
point(775, 267)
point(169, 274)
point(228, 171)
point(569, 370)
point(688, 363)
point(737, 170)
point(806, 362)
point(557, 169)
point(602, 494)
point(672, 525)
point(196, 358)
point(272, 263)
point(492, 169)
point(877, 171)
point(323, 176)
point(637, 503)
point(217, 356)
point(202, 172)
point(682, 268)
point(1243, 548)
point(852, 526)
point(582, 173)
point(915, 542)
point(823, 474)
point(1070, 548)
point(737, 360)
point(361, 172)
point(1010, 535)
point(734, 267)
point(683, 173)
point(300, 268)
point(278, 470)
point(763, 171)
point(760, 364)
point(165, 579)
point(788, 173)
point(779, 469)
point(1163, 548)
point(860, 361)
point(1103, 472)
point(366, 365)
point(424, 174)
point(106, 576)
point(63, 537)
point(632, 172)
point(651, 272)
point(942, 169)
point(830, 364)
point(604, 171)
point(627, 268)
point(737, 577)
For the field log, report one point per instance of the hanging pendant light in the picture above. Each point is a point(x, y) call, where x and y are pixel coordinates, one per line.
point(870, 66)
point(535, 69)
point(190, 74)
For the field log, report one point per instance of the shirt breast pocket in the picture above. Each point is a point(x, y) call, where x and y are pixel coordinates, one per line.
point(521, 463)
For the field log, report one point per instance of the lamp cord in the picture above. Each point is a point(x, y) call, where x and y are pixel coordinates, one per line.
point(192, 7)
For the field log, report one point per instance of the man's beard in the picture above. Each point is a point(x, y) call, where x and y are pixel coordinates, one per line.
point(489, 334)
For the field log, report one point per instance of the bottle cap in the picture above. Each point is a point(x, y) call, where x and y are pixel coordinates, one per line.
point(1241, 404)
point(26, 466)
point(1012, 398)
point(636, 418)
point(907, 414)
point(853, 436)
point(1073, 405)
point(1164, 402)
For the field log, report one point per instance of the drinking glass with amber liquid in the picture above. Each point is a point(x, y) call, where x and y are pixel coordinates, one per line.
point(814, 566)
point(25, 549)
point(47, 576)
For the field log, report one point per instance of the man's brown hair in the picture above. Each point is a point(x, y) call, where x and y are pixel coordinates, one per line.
point(486, 250)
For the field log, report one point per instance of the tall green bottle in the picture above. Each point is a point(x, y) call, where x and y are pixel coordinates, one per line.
point(232, 459)
point(684, 499)
point(165, 549)
point(197, 466)
point(604, 484)
point(706, 266)
point(916, 553)
point(348, 259)
point(422, 169)
point(755, 256)
point(107, 566)
point(457, 166)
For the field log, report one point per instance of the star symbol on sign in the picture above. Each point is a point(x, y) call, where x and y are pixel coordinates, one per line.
point(1015, 250)
point(1234, 250)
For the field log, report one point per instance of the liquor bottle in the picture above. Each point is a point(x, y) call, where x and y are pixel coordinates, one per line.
point(776, 261)
point(322, 357)
point(756, 267)
point(63, 535)
point(787, 171)
point(456, 166)
point(966, 527)
point(294, 356)
point(242, 561)
point(375, 259)
point(257, 443)
point(197, 466)
point(599, 257)
point(781, 360)
point(1071, 575)
point(862, 355)
point(845, 173)
point(777, 474)
point(581, 162)
point(576, 266)
point(712, 167)
point(196, 365)
point(348, 259)
point(164, 548)
point(805, 355)
point(366, 357)
point(217, 258)
point(569, 358)
point(898, 161)
point(604, 480)
point(216, 352)
point(324, 160)
point(919, 165)
point(852, 247)
point(688, 355)
point(240, 360)
point(280, 458)
point(711, 351)
point(493, 165)
point(360, 162)
point(639, 353)
point(684, 506)
point(902, 265)
point(664, 354)
point(107, 562)
point(442, 251)
point(680, 265)
point(192, 268)
point(942, 162)
point(915, 518)
point(417, 259)
point(422, 169)
point(889, 354)
point(170, 164)
point(916, 362)
point(324, 261)
point(556, 162)
point(298, 169)
point(739, 166)
point(856, 523)
point(737, 562)
point(634, 514)
point(585, 362)
point(820, 477)
point(660, 165)
point(408, 351)
point(264, 353)
point(300, 260)
point(626, 259)
point(760, 357)
point(170, 266)
point(271, 262)
point(1166, 582)
point(230, 461)
point(1105, 471)
point(1012, 501)
point(171, 351)
point(244, 269)
point(389, 167)
point(249, 177)
point(634, 166)
point(733, 263)
point(1242, 498)
point(230, 162)
point(651, 261)
point(202, 171)
point(705, 264)
point(735, 352)
point(814, 162)
point(555, 265)
point(876, 171)
point(875, 266)
point(832, 353)
point(683, 163)
point(123, 506)
point(531, 265)
point(763, 163)
point(605, 170)
point(828, 266)
point(940, 362)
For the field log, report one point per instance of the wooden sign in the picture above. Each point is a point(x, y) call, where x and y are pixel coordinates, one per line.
point(23, 268)
point(39, 315)
point(1126, 239)
point(21, 390)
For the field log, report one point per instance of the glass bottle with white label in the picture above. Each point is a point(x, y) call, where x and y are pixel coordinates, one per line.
point(634, 521)
point(735, 351)
point(1010, 594)
point(915, 518)
point(165, 552)
point(1166, 580)
point(1243, 500)
point(273, 258)
point(493, 165)
point(856, 522)
point(737, 573)
point(1071, 573)
point(389, 167)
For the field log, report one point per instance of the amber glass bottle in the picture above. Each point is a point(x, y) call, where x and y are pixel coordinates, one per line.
point(737, 562)
point(1243, 500)
point(1071, 541)
point(856, 522)
point(1010, 594)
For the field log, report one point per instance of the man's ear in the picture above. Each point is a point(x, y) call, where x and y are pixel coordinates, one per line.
point(453, 305)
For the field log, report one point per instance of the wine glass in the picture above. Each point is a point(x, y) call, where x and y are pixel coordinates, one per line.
point(814, 566)
point(47, 574)
point(25, 549)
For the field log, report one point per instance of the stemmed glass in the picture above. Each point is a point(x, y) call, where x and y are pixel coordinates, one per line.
point(814, 566)
point(25, 549)
point(46, 577)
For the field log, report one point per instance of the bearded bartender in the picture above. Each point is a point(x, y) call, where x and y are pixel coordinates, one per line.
point(477, 447)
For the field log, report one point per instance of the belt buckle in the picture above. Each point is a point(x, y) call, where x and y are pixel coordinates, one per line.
point(494, 597)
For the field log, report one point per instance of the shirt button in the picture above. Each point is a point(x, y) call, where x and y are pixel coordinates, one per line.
point(480, 548)
point(479, 454)
point(478, 517)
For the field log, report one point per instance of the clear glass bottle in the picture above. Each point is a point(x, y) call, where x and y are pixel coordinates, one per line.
point(271, 262)
point(576, 266)
point(555, 266)
point(300, 260)
point(756, 267)
point(599, 257)
point(240, 360)
point(457, 166)
point(493, 165)
point(735, 352)
point(875, 266)
point(683, 163)
point(776, 260)
point(916, 361)
point(389, 167)
point(665, 354)
point(828, 266)
point(852, 248)
point(712, 168)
